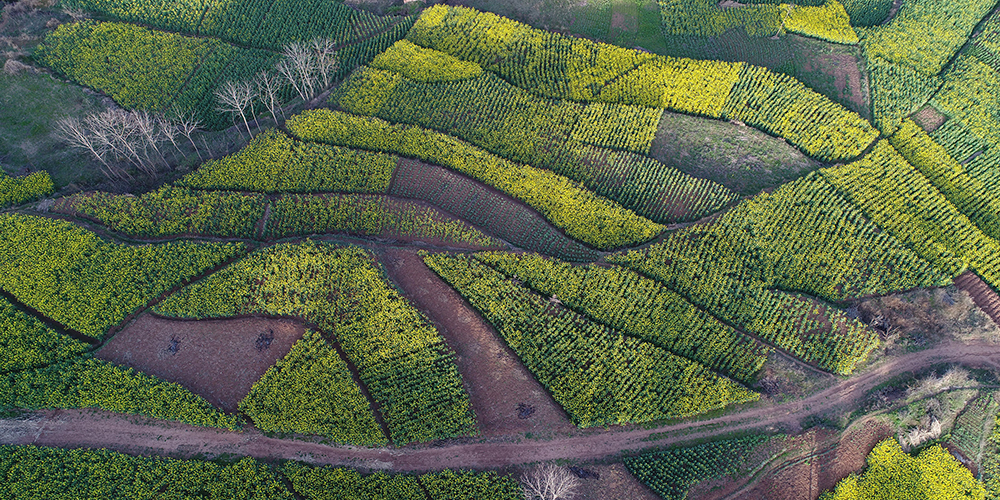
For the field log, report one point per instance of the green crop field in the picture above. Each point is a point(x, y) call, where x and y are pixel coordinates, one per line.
point(538, 250)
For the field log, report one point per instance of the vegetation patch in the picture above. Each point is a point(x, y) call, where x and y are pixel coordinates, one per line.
point(400, 356)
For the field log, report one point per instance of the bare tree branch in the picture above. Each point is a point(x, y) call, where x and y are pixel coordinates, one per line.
point(549, 482)
point(168, 130)
point(327, 62)
point(234, 98)
point(268, 86)
point(72, 131)
point(188, 124)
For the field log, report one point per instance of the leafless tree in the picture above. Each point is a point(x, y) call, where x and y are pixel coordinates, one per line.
point(287, 71)
point(188, 124)
point(74, 132)
point(146, 126)
point(299, 68)
point(326, 60)
point(268, 86)
point(168, 130)
point(115, 130)
point(117, 135)
point(549, 482)
point(309, 67)
point(235, 98)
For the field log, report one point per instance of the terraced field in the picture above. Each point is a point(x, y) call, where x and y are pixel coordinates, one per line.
point(441, 230)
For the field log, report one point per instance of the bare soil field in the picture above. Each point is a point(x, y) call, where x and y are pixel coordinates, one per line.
point(929, 118)
point(614, 481)
point(825, 462)
point(507, 399)
point(217, 359)
point(739, 157)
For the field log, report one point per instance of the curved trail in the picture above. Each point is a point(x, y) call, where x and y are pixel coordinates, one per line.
point(86, 428)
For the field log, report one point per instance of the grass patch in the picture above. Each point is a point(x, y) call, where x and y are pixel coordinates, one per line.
point(627, 23)
point(30, 104)
point(741, 158)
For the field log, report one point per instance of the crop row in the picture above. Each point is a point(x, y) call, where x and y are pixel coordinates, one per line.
point(897, 91)
point(868, 12)
point(275, 163)
point(499, 214)
point(829, 21)
point(640, 307)
point(27, 343)
point(781, 105)
point(562, 67)
point(369, 215)
point(400, 357)
point(643, 184)
point(976, 200)
point(310, 391)
point(424, 65)
point(599, 376)
point(148, 69)
point(521, 127)
point(565, 203)
point(897, 197)
point(924, 34)
point(170, 211)
point(673, 472)
point(969, 96)
point(18, 190)
point(958, 141)
point(970, 433)
point(803, 237)
point(36, 473)
point(86, 382)
point(269, 24)
point(706, 18)
point(42, 473)
point(346, 484)
point(893, 473)
point(583, 70)
point(89, 284)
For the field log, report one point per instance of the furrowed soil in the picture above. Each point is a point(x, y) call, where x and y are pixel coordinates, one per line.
point(497, 383)
point(984, 296)
point(217, 359)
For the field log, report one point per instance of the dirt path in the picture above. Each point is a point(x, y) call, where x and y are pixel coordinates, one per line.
point(88, 428)
point(496, 381)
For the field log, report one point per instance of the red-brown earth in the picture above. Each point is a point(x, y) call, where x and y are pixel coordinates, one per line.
point(217, 359)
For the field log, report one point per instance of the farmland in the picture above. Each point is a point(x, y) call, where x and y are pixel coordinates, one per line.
point(462, 250)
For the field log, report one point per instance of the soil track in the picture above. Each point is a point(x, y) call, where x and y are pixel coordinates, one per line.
point(97, 429)
point(495, 379)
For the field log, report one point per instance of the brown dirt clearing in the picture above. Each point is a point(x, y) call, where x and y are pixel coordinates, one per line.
point(217, 359)
point(929, 118)
point(494, 377)
point(825, 462)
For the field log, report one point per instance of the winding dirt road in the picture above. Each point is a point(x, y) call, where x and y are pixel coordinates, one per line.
point(130, 434)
